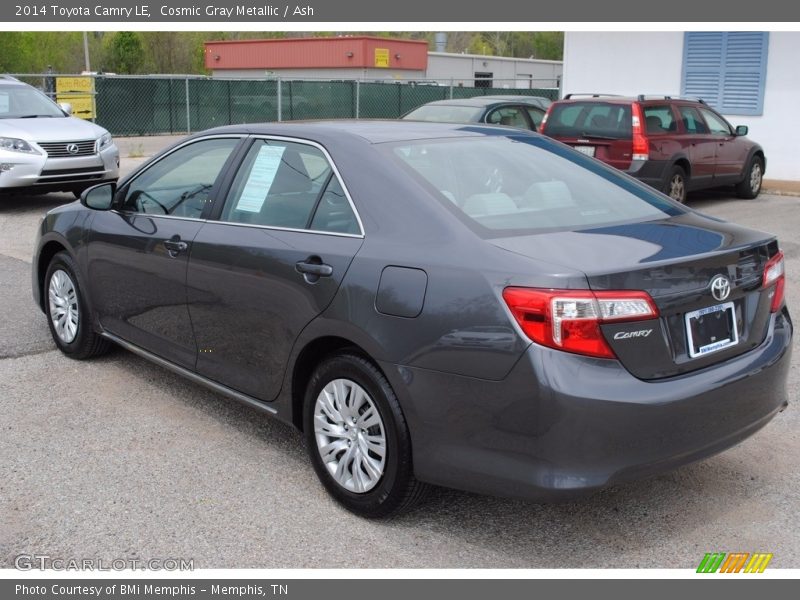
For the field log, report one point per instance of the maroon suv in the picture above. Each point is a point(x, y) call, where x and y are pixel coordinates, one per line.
point(673, 144)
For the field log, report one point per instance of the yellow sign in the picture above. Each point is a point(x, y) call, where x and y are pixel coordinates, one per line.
point(79, 92)
point(382, 58)
point(74, 85)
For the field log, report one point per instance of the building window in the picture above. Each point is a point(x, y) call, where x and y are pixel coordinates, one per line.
point(726, 69)
point(483, 80)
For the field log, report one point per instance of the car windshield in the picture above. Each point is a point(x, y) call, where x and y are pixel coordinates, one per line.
point(517, 185)
point(445, 113)
point(602, 120)
point(20, 102)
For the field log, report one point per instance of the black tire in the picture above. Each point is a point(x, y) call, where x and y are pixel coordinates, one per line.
point(750, 186)
point(397, 490)
point(86, 342)
point(676, 184)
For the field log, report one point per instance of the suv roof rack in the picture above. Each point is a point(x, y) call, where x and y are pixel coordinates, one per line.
point(568, 96)
point(643, 97)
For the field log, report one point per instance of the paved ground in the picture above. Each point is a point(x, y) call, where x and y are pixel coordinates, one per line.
point(117, 458)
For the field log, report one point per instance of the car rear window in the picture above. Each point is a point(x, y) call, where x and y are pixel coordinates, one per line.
point(603, 120)
point(445, 113)
point(508, 185)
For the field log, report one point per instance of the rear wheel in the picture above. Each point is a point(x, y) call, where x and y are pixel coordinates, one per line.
point(67, 311)
point(676, 184)
point(358, 439)
point(750, 186)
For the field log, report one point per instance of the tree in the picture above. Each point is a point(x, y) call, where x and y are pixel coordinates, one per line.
point(125, 53)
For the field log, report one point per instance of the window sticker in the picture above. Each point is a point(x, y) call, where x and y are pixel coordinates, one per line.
point(262, 174)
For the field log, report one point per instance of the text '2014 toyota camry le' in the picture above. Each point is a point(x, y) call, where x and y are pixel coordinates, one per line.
point(462, 305)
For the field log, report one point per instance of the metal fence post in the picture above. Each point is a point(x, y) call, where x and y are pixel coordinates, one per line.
point(358, 98)
point(188, 117)
point(280, 101)
point(451, 88)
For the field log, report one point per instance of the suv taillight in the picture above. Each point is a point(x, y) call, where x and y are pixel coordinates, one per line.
point(570, 320)
point(641, 146)
point(774, 274)
point(544, 118)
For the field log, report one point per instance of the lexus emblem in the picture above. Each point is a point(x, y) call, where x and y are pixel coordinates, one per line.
point(72, 148)
point(720, 287)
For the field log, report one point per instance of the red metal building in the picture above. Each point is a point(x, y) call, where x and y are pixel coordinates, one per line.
point(356, 52)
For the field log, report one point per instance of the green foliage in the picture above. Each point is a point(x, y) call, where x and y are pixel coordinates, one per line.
point(124, 53)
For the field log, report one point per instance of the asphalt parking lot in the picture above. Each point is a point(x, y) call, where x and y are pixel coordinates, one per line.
point(117, 458)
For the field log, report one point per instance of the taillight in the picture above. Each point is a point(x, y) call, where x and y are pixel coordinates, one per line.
point(774, 274)
point(570, 319)
point(544, 118)
point(641, 147)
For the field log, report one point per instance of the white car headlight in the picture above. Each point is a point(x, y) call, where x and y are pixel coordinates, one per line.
point(104, 141)
point(16, 145)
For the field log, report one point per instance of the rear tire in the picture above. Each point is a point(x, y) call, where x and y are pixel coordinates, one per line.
point(358, 439)
point(676, 184)
point(68, 314)
point(750, 186)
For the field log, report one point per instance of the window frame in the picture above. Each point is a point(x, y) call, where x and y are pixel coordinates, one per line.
point(219, 205)
point(233, 159)
point(707, 109)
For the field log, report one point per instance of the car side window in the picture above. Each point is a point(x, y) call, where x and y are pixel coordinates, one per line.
point(289, 185)
point(536, 115)
point(716, 124)
point(659, 120)
point(692, 122)
point(180, 183)
point(511, 116)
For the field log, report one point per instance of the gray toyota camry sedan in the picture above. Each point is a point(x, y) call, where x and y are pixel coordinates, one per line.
point(467, 306)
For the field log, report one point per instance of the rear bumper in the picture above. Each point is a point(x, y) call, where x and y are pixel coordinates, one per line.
point(652, 172)
point(560, 425)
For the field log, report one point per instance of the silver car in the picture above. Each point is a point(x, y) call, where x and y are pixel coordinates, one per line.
point(44, 149)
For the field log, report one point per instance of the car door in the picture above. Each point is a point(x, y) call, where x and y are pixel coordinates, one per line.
point(269, 262)
point(700, 145)
point(730, 156)
point(139, 251)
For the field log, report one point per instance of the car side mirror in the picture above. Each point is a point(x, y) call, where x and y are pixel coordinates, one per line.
point(66, 107)
point(741, 130)
point(99, 197)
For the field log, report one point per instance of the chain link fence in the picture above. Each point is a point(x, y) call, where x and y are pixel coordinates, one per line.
point(157, 104)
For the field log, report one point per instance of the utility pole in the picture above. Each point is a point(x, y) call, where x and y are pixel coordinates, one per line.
point(86, 65)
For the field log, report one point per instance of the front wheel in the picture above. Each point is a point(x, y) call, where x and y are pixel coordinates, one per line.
point(750, 186)
point(358, 439)
point(67, 311)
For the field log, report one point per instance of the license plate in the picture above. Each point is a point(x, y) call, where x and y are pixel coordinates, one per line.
point(587, 150)
point(711, 329)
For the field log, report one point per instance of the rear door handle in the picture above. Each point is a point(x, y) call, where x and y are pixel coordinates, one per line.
point(175, 247)
point(313, 268)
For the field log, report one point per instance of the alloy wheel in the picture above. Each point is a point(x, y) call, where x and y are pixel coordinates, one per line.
point(755, 177)
point(677, 187)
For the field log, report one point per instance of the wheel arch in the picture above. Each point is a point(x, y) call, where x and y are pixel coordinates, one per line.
point(48, 250)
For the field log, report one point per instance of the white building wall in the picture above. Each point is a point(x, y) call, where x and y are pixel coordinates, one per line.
point(631, 63)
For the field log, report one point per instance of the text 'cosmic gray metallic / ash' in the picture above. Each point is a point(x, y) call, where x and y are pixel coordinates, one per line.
point(460, 305)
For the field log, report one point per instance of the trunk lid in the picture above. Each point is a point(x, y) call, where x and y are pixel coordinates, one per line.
point(675, 260)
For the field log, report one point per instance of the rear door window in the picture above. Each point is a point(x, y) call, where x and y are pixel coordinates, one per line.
point(512, 116)
point(692, 122)
point(659, 120)
point(603, 120)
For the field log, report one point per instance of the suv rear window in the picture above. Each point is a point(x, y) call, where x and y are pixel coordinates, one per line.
point(602, 120)
point(513, 185)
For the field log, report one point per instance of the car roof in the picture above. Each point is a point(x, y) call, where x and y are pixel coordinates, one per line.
point(483, 101)
point(370, 131)
point(614, 99)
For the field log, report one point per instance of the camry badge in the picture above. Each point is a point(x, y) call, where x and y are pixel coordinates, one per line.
point(720, 287)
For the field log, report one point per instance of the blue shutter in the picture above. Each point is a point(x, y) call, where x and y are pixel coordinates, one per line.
point(726, 69)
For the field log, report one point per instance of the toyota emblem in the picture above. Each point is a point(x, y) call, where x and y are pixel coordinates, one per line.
point(72, 148)
point(720, 287)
